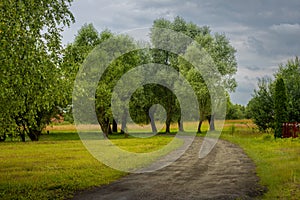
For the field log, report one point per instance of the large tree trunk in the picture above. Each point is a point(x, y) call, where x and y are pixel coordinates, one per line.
point(180, 125)
point(34, 134)
point(199, 126)
point(109, 131)
point(22, 135)
point(168, 124)
point(153, 126)
point(115, 126)
point(152, 122)
point(124, 124)
point(105, 126)
point(211, 121)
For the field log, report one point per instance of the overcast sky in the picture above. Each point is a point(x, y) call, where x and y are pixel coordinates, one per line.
point(265, 33)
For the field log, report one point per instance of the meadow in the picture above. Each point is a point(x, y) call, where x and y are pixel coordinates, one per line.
point(277, 160)
point(59, 165)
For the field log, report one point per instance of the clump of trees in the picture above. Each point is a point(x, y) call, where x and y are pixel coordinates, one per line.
point(217, 46)
point(37, 74)
point(277, 101)
point(236, 111)
point(32, 82)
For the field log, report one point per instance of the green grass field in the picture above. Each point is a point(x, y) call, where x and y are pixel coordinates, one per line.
point(58, 165)
point(277, 161)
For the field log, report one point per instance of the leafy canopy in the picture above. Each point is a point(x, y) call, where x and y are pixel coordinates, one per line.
point(30, 79)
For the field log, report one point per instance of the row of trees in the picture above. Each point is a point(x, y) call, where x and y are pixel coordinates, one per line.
point(277, 101)
point(37, 74)
point(144, 98)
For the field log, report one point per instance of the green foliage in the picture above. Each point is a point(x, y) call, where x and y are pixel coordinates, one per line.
point(87, 43)
point(195, 78)
point(111, 76)
point(147, 96)
point(235, 111)
point(31, 82)
point(290, 73)
point(87, 37)
point(75, 54)
point(280, 106)
point(217, 46)
point(277, 162)
point(261, 106)
point(40, 83)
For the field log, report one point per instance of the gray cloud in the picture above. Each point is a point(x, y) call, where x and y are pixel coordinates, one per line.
point(264, 33)
point(286, 29)
point(255, 45)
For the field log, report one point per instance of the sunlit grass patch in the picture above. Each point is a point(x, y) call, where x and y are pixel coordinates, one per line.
point(143, 145)
point(48, 170)
point(277, 161)
point(59, 165)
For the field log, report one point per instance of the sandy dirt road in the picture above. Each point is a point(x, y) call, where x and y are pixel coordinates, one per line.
point(226, 173)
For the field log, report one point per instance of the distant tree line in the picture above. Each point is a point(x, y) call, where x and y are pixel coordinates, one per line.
point(236, 111)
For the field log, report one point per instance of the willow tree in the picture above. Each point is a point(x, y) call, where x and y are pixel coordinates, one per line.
point(111, 76)
point(216, 46)
point(86, 39)
point(30, 78)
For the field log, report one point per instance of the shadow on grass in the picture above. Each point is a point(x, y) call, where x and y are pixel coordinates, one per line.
point(60, 136)
point(73, 135)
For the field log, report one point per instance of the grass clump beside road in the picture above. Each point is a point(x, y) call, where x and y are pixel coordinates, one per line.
point(277, 161)
point(59, 165)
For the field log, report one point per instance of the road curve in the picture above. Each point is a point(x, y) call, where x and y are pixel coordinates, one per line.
point(226, 173)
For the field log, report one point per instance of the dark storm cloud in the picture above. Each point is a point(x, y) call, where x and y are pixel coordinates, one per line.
point(256, 13)
point(265, 33)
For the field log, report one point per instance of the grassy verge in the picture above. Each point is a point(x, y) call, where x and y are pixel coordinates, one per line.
point(277, 161)
point(58, 165)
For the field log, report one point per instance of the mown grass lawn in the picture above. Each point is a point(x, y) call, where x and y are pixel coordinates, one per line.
point(59, 165)
point(277, 161)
